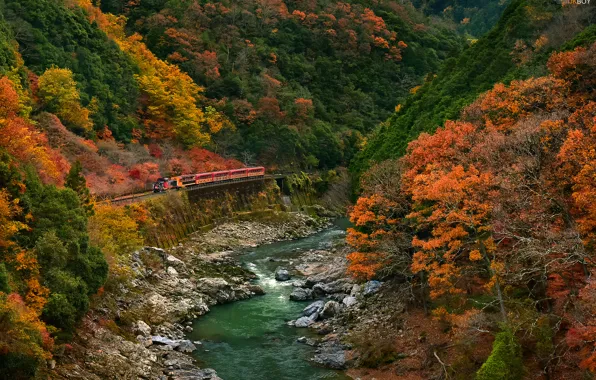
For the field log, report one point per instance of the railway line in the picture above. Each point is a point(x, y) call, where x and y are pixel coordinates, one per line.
point(140, 196)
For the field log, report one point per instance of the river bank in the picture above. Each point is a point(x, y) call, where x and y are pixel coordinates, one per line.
point(247, 339)
point(138, 329)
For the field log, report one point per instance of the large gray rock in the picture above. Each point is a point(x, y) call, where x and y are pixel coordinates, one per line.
point(304, 322)
point(331, 309)
point(330, 275)
point(185, 346)
point(165, 341)
point(355, 290)
point(282, 274)
point(349, 301)
point(337, 286)
point(314, 308)
point(301, 294)
point(216, 288)
point(371, 287)
point(142, 328)
point(146, 341)
point(331, 355)
point(175, 262)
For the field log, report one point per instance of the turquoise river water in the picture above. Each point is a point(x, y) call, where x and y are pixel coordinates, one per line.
point(249, 340)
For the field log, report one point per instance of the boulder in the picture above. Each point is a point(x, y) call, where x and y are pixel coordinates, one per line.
point(282, 274)
point(304, 322)
point(314, 308)
point(175, 262)
point(301, 294)
point(146, 341)
point(256, 289)
point(172, 272)
point(319, 290)
point(216, 288)
point(331, 355)
point(331, 309)
point(371, 287)
point(332, 274)
point(185, 346)
point(142, 328)
point(161, 340)
point(349, 301)
point(337, 286)
point(355, 290)
point(339, 297)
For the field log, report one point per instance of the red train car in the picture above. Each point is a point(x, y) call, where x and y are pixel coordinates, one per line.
point(188, 180)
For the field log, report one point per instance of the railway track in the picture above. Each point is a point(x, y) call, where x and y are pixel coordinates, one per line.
point(136, 197)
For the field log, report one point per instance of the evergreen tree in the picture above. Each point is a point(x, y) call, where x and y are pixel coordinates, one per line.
point(76, 181)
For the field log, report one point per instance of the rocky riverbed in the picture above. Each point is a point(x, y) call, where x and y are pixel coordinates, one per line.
point(347, 317)
point(137, 328)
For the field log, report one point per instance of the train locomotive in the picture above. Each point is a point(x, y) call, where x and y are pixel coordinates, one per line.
point(191, 180)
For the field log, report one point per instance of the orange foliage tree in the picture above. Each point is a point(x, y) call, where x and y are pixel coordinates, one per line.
point(23, 141)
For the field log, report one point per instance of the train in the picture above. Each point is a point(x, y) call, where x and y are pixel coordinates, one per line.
point(190, 180)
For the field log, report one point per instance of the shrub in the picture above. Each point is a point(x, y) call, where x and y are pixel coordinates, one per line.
point(4, 286)
point(505, 360)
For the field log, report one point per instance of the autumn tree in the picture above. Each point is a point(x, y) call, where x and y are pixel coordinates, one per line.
point(59, 94)
point(381, 236)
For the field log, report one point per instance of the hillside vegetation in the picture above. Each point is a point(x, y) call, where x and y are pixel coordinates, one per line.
point(487, 223)
point(302, 81)
point(517, 48)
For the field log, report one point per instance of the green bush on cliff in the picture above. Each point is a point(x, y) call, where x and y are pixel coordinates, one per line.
point(505, 360)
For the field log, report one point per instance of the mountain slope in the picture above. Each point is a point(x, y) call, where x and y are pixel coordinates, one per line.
point(516, 48)
point(292, 73)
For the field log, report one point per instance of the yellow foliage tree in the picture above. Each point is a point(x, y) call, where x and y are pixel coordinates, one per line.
point(172, 106)
point(59, 94)
point(116, 233)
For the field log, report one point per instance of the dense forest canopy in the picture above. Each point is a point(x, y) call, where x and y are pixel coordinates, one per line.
point(517, 48)
point(295, 76)
point(469, 127)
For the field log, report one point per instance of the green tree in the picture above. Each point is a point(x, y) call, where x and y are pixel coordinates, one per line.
point(505, 360)
point(4, 286)
point(76, 181)
point(71, 268)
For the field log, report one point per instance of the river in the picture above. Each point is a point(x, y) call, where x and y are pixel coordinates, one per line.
point(250, 340)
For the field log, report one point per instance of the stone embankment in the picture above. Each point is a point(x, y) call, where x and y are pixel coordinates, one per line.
point(137, 328)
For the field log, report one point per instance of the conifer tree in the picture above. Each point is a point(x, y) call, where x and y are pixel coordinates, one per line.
point(76, 181)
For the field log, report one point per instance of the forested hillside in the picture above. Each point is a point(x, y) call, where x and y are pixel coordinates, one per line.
point(474, 18)
point(473, 142)
point(477, 199)
point(488, 224)
point(517, 48)
point(94, 103)
point(302, 81)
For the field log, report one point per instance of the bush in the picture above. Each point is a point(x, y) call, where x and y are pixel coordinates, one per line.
point(505, 360)
point(4, 286)
point(16, 366)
